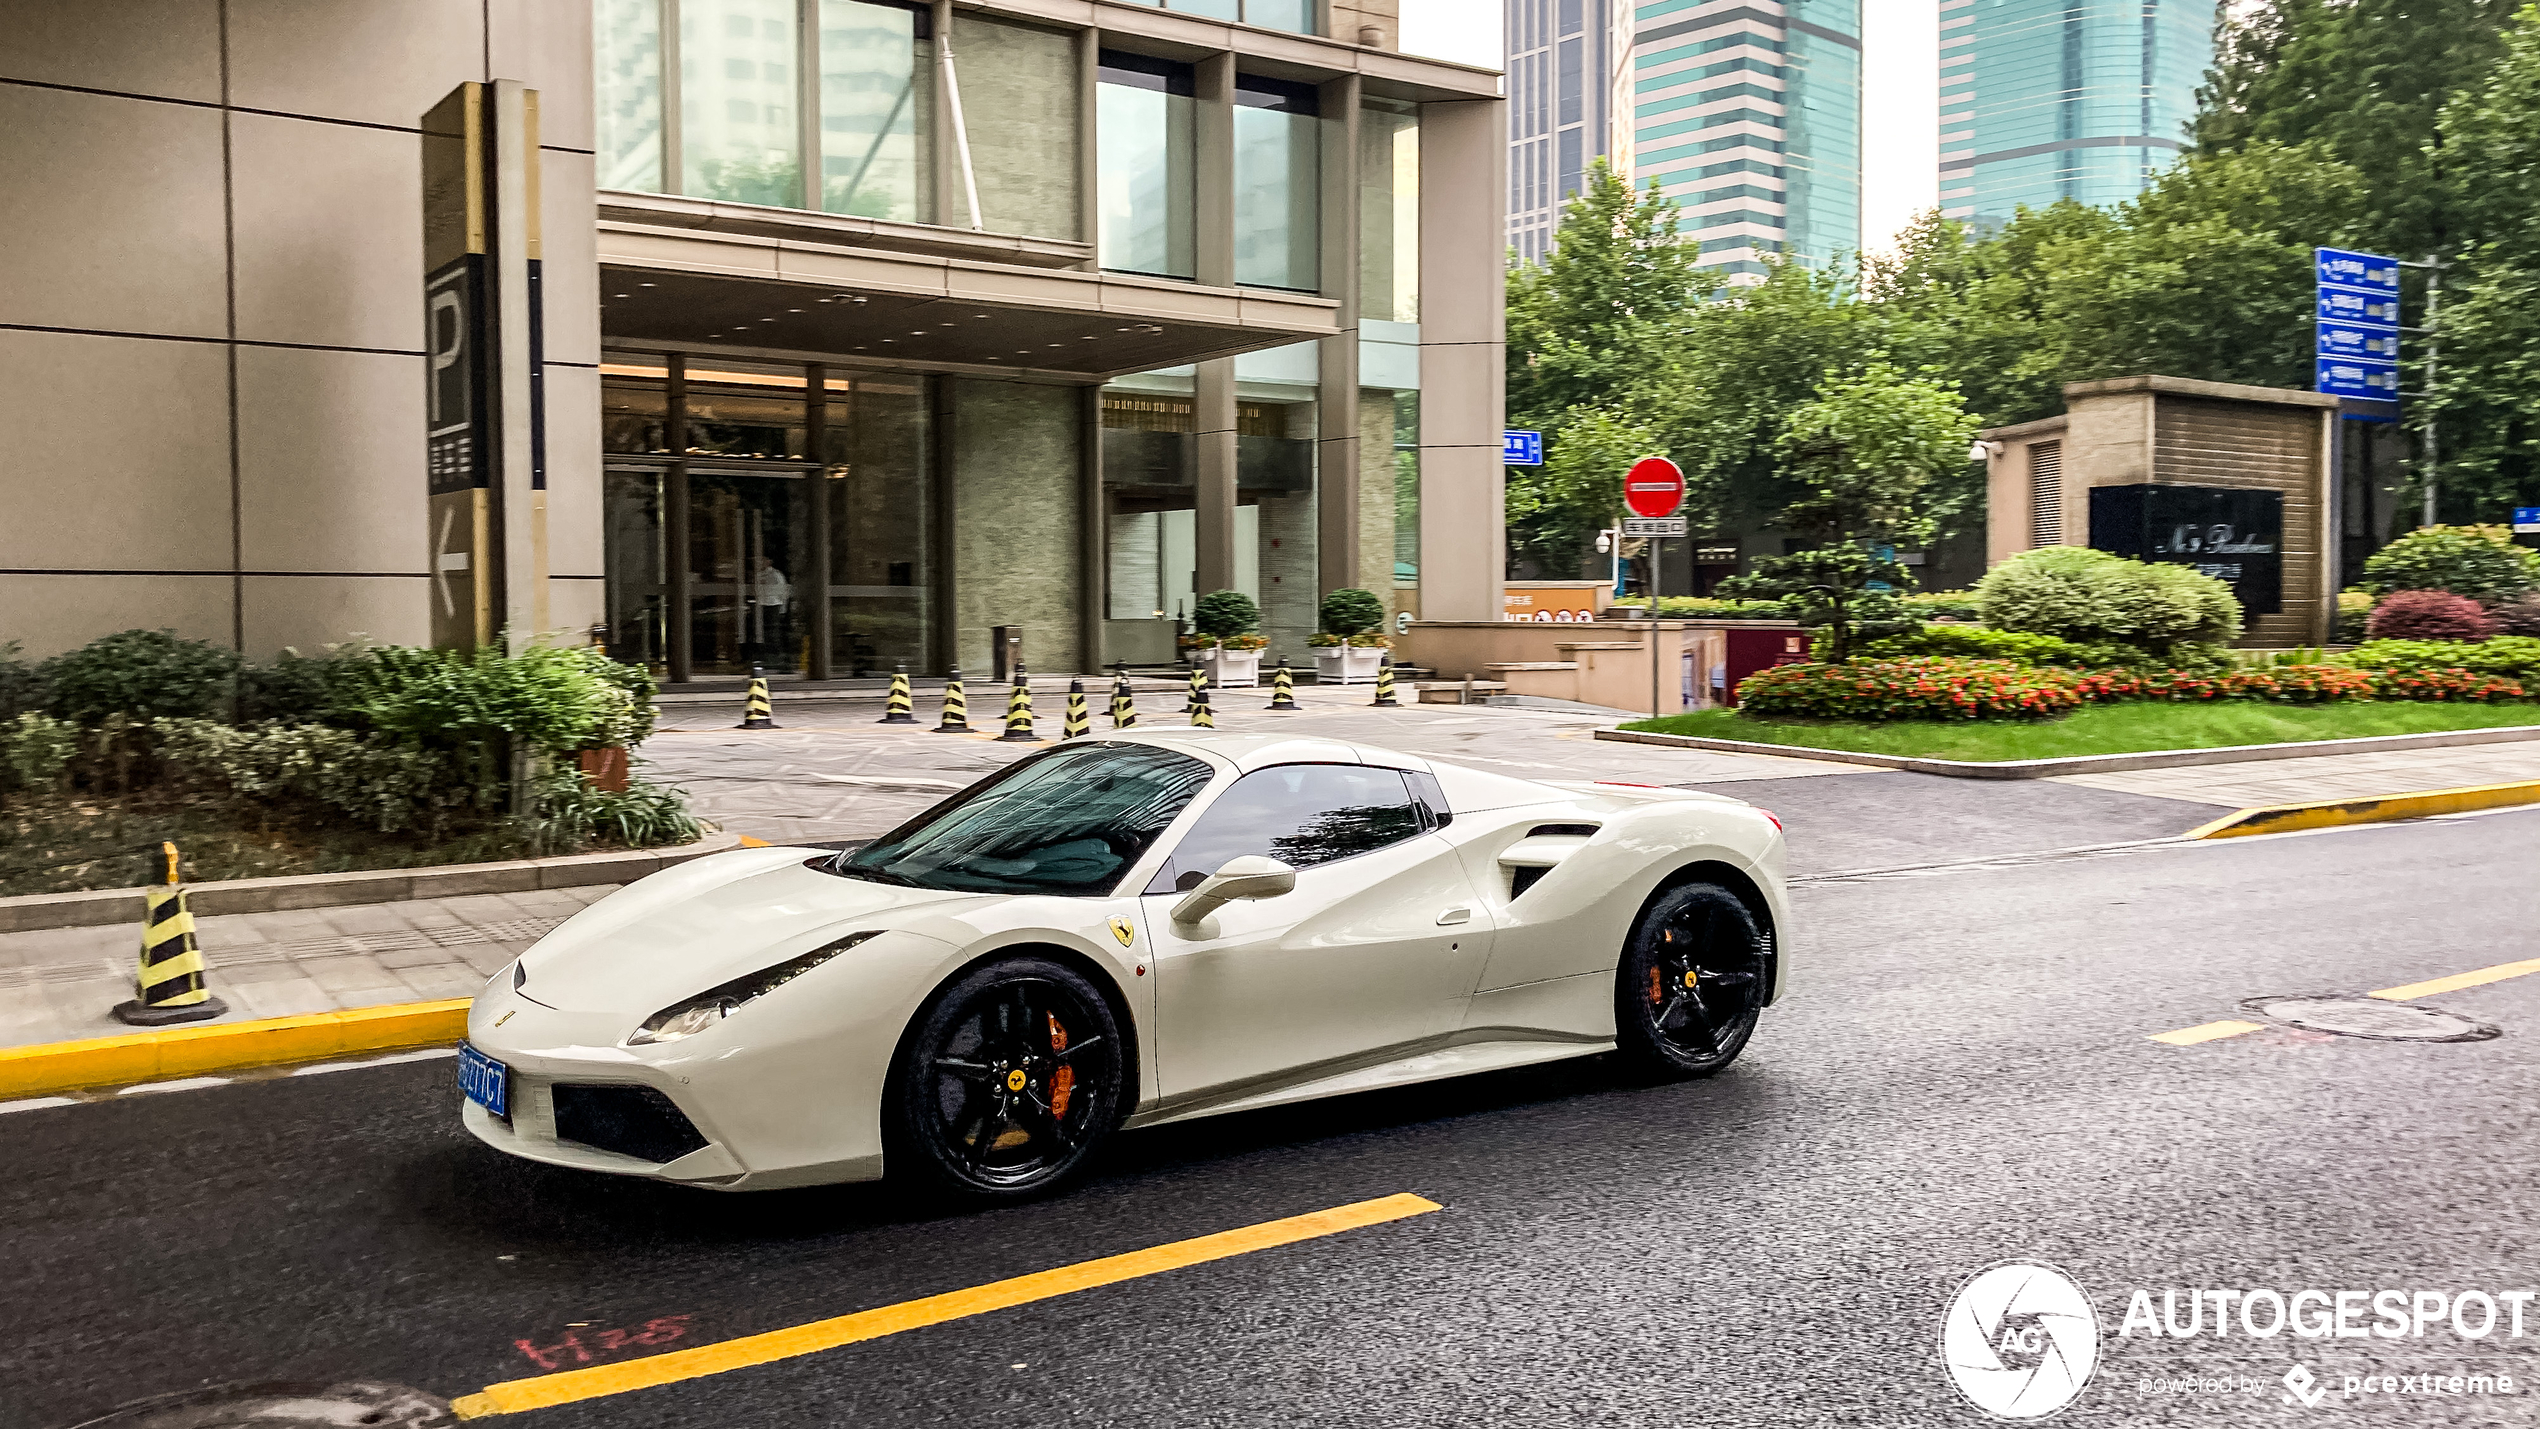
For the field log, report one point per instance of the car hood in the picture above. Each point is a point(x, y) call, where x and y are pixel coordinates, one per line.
point(686, 929)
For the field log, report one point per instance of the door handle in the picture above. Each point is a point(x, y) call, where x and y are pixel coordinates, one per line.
point(1455, 915)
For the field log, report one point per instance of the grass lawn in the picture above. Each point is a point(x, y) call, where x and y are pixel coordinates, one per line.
point(2101, 729)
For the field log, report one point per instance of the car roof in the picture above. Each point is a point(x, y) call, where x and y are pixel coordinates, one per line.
point(1467, 790)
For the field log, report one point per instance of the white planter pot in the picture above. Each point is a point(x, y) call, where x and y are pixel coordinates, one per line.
point(1346, 664)
point(1232, 669)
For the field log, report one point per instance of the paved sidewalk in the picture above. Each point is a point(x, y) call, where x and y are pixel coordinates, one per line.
point(2259, 782)
point(57, 984)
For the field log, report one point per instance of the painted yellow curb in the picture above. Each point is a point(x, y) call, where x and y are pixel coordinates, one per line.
point(50, 1067)
point(2288, 818)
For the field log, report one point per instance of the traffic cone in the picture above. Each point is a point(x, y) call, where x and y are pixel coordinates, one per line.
point(899, 709)
point(1198, 692)
point(1283, 688)
point(169, 987)
point(1384, 682)
point(956, 706)
point(1124, 701)
point(1200, 716)
point(1018, 711)
point(1078, 724)
point(760, 712)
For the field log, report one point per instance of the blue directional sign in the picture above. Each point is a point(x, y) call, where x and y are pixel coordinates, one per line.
point(2372, 344)
point(2527, 520)
point(2355, 315)
point(1521, 448)
point(2344, 377)
point(2367, 271)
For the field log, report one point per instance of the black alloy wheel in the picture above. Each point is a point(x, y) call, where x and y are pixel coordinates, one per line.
point(1006, 1084)
point(1693, 978)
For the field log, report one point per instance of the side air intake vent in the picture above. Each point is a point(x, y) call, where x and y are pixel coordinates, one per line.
point(631, 1121)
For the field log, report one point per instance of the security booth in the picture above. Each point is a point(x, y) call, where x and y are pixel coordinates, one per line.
point(2235, 481)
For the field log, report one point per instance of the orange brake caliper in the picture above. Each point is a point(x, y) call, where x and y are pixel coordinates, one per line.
point(1063, 1082)
point(1654, 993)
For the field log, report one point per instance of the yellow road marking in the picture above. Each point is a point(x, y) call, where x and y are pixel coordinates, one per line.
point(569, 1386)
point(2433, 986)
point(2337, 813)
point(2208, 1032)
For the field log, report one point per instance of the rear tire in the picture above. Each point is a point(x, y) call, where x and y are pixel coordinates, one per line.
point(1008, 1081)
point(1691, 982)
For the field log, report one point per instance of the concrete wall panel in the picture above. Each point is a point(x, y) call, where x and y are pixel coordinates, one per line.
point(573, 474)
point(120, 454)
point(114, 220)
point(1016, 486)
point(166, 48)
point(51, 614)
point(330, 460)
point(546, 44)
point(373, 61)
point(330, 234)
point(306, 612)
point(570, 273)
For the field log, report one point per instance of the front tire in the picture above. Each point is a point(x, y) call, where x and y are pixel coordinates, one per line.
point(1691, 983)
point(1006, 1084)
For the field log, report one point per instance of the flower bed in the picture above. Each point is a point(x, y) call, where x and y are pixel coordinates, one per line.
point(2453, 685)
point(1937, 687)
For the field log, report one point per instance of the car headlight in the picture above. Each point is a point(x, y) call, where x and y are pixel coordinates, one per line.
point(696, 1014)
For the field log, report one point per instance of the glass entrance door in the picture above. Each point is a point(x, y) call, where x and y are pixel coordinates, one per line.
point(748, 598)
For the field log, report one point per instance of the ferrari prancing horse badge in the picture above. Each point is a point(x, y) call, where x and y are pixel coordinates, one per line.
point(1122, 929)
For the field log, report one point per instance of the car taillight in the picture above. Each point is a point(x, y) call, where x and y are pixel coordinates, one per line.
point(1776, 818)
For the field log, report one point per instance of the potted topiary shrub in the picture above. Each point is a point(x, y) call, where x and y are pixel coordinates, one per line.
point(1228, 643)
point(1352, 642)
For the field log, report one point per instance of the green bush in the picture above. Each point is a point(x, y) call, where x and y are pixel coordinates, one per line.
point(391, 786)
point(2354, 611)
point(21, 691)
point(2452, 685)
point(1693, 607)
point(574, 813)
point(2480, 562)
point(1979, 642)
point(2513, 657)
point(1221, 613)
point(1350, 611)
point(2521, 617)
point(318, 688)
point(36, 751)
point(1954, 604)
point(144, 674)
point(2083, 595)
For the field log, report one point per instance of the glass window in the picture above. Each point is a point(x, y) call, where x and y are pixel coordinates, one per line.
point(877, 105)
point(1389, 211)
point(1294, 16)
point(626, 46)
point(1144, 112)
point(1070, 821)
point(739, 132)
point(1299, 814)
point(1019, 94)
point(1213, 9)
point(878, 436)
point(1278, 185)
point(1406, 488)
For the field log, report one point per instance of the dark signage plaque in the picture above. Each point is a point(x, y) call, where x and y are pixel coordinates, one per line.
point(2233, 534)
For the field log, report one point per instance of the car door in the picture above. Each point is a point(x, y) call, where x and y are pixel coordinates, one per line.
point(1377, 946)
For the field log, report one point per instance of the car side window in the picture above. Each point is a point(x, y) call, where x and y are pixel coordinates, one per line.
point(1299, 814)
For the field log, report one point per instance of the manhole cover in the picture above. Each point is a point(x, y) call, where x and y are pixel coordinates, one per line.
point(353, 1404)
point(2353, 1015)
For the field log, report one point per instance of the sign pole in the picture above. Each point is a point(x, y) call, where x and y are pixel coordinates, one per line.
point(2433, 352)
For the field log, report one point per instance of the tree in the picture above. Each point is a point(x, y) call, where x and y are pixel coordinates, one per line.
point(2486, 391)
point(1871, 456)
point(1555, 509)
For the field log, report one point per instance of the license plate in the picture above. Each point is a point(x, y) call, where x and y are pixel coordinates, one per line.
point(485, 1081)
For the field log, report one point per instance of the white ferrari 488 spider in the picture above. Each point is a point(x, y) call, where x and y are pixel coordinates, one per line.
point(1121, 932)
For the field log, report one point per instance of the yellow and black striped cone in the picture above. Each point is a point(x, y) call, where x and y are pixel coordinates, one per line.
point(759, 712)
point(1079, 724)
point(899, 709)
point(1124, 702)
point(1384, 682)
point(956, 706)
point(1198, 691)
point(1283, 688)
point(1201, 717)
point(1018, 710)
point(169, 987)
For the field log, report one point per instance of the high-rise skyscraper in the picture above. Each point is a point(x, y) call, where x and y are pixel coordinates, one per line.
point(1563, 60)
point(2051, 99)
point(1746, 112)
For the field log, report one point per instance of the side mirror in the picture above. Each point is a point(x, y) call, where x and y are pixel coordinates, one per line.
point(1242, 879)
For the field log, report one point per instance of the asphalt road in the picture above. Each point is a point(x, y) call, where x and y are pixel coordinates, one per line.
point(1961, 1074)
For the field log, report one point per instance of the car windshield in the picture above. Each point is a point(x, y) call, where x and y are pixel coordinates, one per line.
point(1070, 821)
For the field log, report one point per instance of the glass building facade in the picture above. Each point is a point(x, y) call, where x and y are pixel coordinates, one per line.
point(1561, 66)
point(1749, 115)
point(2042, 100)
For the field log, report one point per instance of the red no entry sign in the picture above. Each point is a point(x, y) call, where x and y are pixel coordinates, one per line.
point(1653, 487)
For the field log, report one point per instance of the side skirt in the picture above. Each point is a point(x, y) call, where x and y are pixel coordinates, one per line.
point(1457, 1054)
